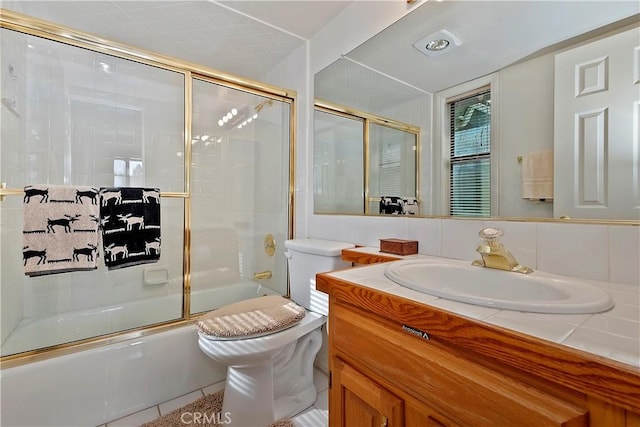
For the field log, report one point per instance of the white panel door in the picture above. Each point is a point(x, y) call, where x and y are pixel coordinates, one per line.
point(596, 135)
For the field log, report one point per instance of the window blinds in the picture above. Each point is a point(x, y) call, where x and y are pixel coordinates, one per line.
point(389, 170)
point(470, 156)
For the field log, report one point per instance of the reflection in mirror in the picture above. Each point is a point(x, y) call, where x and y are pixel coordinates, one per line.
point(358, 157)
point(470, 156)
point(520, 60)
point(392, 168)
point(338, 163)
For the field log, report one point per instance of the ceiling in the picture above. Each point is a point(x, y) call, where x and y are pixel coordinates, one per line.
point(245, 38)
point(494, 34)
point(249, 38)
point(303, 17)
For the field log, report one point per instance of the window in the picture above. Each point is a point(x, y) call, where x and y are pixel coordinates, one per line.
point(470, 155)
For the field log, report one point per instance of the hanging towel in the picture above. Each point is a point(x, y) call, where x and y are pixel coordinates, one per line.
point(130, 219)
point(60, 231)
point(537, 175)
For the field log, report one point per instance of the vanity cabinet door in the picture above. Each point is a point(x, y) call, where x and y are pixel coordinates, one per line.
point(632, 419)
point(357, 401)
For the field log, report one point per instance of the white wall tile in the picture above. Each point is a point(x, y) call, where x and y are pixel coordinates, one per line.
point(367, 231)
point(460, 238)
point(391, 227)
point(346, 229)
point(624, 254)
point(428, 233)
point(579, 250)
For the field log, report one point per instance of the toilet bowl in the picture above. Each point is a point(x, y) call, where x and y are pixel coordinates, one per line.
point(270, 375)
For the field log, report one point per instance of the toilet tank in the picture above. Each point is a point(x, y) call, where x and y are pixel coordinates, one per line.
point(306, 257)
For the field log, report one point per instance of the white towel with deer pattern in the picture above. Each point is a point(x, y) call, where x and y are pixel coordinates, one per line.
point(60, 231)
point(130, 219)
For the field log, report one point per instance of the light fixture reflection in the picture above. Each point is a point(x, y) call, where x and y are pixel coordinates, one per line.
point(436, 45)
point(241, 117)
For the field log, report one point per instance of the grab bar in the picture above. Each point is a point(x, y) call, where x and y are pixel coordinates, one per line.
point(4, 191)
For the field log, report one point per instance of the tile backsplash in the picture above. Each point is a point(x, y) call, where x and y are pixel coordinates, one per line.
point(592, 251)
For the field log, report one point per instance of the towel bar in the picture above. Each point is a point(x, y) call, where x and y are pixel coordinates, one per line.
point(4, 191)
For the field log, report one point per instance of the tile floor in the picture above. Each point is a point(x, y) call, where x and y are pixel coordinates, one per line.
point(315, 416)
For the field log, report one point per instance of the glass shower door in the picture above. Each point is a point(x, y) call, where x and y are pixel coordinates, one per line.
point(80, 117)
point(240, 174)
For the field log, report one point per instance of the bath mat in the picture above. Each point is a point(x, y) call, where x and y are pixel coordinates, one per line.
point(130, 220)
point(208, 410)
point(252, 317)
point(60, 229)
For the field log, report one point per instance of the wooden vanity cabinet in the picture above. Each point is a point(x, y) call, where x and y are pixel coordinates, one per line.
point(386, 373)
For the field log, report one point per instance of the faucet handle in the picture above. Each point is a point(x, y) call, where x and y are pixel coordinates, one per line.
point(491, 235)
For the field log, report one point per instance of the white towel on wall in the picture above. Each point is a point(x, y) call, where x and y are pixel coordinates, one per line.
point(537, 175)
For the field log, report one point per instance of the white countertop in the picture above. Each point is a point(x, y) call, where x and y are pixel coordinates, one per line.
point(614, 334)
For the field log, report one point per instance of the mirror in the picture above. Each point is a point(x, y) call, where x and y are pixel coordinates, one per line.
point(513, 48)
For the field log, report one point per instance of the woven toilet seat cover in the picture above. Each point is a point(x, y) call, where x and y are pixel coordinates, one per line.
point(252, 317)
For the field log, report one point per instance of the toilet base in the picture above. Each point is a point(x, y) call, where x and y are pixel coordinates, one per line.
point(281, 387)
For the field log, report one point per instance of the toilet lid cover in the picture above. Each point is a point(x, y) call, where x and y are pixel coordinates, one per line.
point(255, 316)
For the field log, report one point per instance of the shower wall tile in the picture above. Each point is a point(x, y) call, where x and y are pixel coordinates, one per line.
point(60, 298)
point(36, 306)
point(11, 272)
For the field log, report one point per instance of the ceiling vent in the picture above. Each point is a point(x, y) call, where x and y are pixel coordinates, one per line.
point(437, 43)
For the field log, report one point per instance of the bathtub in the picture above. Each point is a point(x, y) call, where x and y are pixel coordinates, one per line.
point(91, 387)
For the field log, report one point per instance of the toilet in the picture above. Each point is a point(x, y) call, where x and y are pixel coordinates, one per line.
point(270, 373)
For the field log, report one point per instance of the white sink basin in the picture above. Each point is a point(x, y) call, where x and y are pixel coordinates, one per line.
point(537, 292)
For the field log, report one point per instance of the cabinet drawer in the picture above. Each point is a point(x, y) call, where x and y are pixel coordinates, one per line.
point(456, 386)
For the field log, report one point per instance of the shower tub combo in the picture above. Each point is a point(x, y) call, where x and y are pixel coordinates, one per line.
point(225, 193)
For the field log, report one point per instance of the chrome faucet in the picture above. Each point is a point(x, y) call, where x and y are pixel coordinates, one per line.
point(495, 255)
